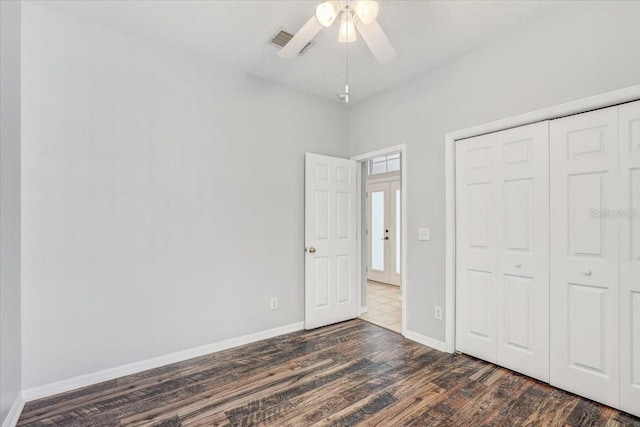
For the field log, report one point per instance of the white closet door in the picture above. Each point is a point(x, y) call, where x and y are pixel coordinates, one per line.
point(629, 221)
point(584, 255)
point(477, 218)
point(522, 158)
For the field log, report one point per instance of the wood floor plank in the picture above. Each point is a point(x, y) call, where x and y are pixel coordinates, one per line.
point(286, 394)
point(209, 419)
point(359, 411)
point(317, 403)
point(476, 412)
point(520, 407)
point(588, 414)
point(220, 398)
point(351, 373)
point(622, 418)
point(412, 396)
point(554, 409)
point(446, 404)
point(49, 403)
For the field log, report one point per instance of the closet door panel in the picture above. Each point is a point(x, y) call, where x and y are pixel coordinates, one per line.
point(502, 246)
point(584, 255)
point(476, 224)
point(629, 220)
point(522, 155)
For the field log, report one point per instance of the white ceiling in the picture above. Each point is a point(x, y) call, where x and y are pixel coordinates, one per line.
point(235, 32)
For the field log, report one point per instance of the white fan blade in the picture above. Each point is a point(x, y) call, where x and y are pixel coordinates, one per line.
point(377, 41)
point(301, 38)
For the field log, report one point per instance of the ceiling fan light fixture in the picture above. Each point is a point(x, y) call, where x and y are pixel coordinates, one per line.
point(366, 10)
point(327, 12)
point(347, 32)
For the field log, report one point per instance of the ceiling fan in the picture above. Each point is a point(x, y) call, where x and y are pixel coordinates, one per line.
point(360, 14)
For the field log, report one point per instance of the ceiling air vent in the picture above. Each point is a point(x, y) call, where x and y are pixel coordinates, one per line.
point(281, 38)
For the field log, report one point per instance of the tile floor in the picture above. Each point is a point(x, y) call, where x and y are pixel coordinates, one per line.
point(384, 306)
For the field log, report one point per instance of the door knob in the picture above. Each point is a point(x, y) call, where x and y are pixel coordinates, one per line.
point(586, 272)
point(312, 250)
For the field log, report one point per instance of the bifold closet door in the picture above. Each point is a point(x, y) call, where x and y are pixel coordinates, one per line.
point(502, 275)
point(476, 246)
point(629, 223)
point(523, 250)
point(584, 255)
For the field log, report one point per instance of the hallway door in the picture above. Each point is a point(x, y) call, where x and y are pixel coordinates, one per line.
point(330, 240)
point(383, 232)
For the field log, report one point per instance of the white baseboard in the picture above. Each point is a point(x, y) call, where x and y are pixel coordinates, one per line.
point(425, 340)
point(14, 413)
point(132, 368)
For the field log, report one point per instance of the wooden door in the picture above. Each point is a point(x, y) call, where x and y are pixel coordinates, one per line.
point(584, 255)
point(330, 240)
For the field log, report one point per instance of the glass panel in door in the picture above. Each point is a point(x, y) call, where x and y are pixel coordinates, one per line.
point(377, 230)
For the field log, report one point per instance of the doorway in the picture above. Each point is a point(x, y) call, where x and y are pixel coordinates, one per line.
point(383, 230)
point(336, 254)
point(382, 239)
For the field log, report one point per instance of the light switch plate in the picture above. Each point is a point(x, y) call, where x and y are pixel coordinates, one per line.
point(423, 234)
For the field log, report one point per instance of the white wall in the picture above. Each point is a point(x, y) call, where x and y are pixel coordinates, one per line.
point(162, 198)
point(10, 333)
point(588, 49)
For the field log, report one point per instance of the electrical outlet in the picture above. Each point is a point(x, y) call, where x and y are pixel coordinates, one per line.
point(437, 313)
point(274, 303)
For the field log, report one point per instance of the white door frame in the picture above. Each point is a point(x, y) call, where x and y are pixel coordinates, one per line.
point(608, 99)
point(402, 149)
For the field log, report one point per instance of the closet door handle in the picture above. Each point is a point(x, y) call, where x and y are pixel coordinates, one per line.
point(586, 272)
point(518, 264)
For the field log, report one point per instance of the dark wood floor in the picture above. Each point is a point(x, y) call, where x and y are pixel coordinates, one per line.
point(353, 373)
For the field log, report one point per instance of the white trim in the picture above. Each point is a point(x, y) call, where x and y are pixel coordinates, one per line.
point(450, 245)
point(363, 309)
point(359, 238)
point(402, 149)
point(132, 368)
point(14, 413)
point(382, 152)
point(381, 176)
point(425, 340)
point(405, 224)
point(574, 107)
point(390, 178)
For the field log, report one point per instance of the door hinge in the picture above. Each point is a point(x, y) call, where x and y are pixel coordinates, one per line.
point(366, 194)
